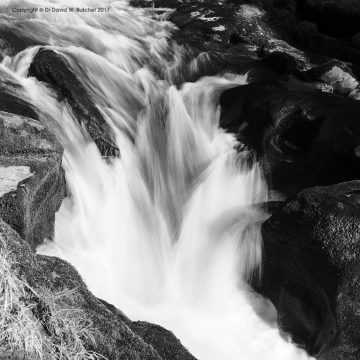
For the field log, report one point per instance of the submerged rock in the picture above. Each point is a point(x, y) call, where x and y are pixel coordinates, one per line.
point(19, 34)
point(12, 98)
point(356, 40)
point(311, 269)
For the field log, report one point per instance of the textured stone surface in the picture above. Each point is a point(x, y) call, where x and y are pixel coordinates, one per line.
point(10, 176)
point(30, 208)
point(312, 252)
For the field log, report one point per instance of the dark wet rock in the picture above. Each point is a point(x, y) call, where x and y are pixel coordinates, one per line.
point(13, 104)
point(356, 40)
point(240, 59)
point(12, 98)
point(328, 28)
point(220, 33)
point(52, 68)
point(335, 48)
point(336, 74)
point(307, 32)
point(304, 136)
point(334, 17)
point(269, 206)
point(113, 333)
point(311, 268)
point(267, 64)
point(281, 62)
point(206, 24)
point(203, 24)
point(295, 58)
point(165, 343)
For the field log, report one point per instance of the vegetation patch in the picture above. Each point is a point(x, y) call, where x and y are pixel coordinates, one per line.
point(40, 324)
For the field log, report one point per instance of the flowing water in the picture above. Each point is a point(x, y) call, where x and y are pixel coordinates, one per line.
point(168, 232)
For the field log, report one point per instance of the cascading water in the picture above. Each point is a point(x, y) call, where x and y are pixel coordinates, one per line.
point(167, 232)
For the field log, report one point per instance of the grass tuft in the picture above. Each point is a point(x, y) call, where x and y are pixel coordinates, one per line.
point(40, 324)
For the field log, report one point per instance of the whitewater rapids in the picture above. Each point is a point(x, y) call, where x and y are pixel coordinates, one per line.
point(168, 232)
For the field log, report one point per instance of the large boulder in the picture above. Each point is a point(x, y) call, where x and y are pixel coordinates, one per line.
point(304, 136)
point(30, 203)
point(52, 68)
point(336, 74)
point(52, 283)
point(311, 269)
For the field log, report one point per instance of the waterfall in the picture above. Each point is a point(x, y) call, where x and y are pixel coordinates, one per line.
point(168, 232)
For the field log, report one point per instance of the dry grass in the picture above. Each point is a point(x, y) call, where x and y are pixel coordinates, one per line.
point(68, 326)
point(40, 324)
point(20, 331)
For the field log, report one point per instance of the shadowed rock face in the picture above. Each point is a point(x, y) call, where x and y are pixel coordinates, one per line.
point(311, 268)
point(305, 137)
point(12, 99)
point(116, 336)
point(52, 68)
point(334, 17)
